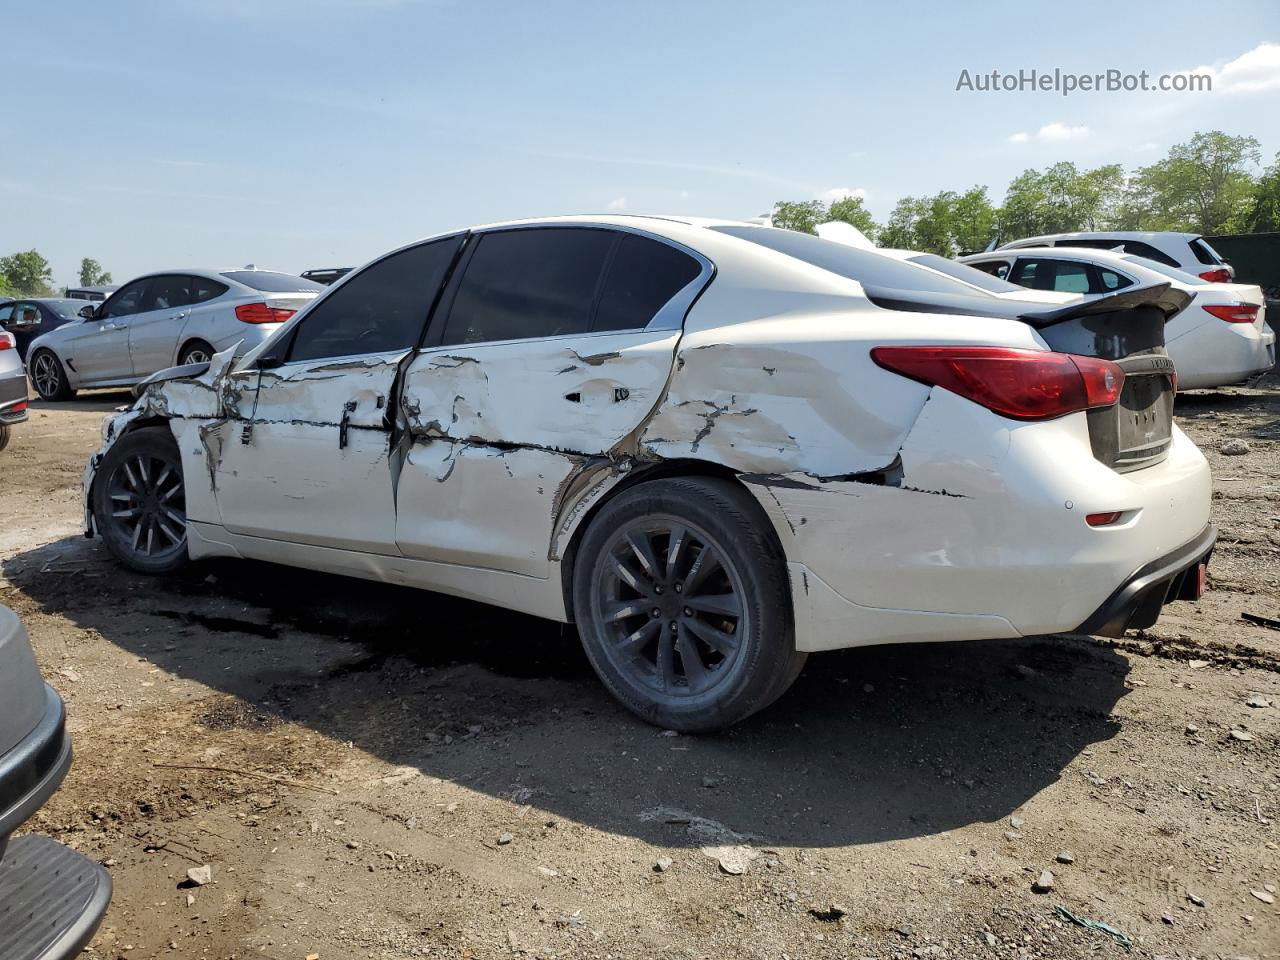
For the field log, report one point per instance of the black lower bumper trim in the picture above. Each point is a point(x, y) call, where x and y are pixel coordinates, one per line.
point(51, 900)
point(1136, 603)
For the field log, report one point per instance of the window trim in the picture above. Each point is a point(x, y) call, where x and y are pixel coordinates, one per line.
point(670, 316)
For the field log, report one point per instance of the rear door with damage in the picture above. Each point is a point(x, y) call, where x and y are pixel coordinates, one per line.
point(306, 455)
point(552, 348)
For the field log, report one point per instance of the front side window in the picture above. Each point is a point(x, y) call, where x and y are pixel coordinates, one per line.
point(643, 275)
point(167, 292)
point(126, 300)
point(536, 282)
point(382, 309)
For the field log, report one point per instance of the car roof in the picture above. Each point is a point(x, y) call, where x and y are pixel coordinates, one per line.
point(1104, 234)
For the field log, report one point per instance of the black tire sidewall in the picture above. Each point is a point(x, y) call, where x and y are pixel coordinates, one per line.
point(156, 440)
point(4, 435)
point(740, 528)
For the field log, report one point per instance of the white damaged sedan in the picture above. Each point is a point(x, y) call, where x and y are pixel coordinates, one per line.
point(715, 446)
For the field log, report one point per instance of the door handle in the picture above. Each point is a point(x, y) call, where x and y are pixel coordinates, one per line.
point(345, 424)
point(108, 326)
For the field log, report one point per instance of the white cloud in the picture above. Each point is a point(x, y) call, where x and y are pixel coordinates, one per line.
point(1257, 69)
point(839, 193)
point(1051, 133)
point(619, 203)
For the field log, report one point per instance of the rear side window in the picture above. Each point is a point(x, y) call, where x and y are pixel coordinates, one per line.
point(269, 282)
point(643, 276)
point(1140, 249)
point(1063, 276)
point(1110, 280)
point(382, 309)
point(997, 268)
point(166, 292)
point(529, 283)
point(203, 289)
point(1205, 253)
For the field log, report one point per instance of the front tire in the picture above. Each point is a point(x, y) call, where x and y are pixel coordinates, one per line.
point(139, 502)
point(49, 377)
point(681, 598)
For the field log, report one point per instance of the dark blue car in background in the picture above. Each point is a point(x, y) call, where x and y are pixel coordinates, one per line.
point(27, 319)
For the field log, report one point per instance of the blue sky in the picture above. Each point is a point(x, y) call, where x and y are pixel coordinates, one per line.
point(307, 133)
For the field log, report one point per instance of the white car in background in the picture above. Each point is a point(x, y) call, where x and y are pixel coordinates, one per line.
point(161, 319)
point(1221, 338)
point(716, 446)
point(1188, 252)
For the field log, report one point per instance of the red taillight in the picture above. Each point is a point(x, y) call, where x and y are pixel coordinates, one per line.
point(1234, 312)
point(7, 341)
point(1021, 384)
point(1220, 275)
point(1102, 519)
point(261, 313)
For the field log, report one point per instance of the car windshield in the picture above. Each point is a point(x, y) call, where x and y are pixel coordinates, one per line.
point(865, 266)
point(966, 273)
point(1172, 273)
point(66, 308)
point(269, 282)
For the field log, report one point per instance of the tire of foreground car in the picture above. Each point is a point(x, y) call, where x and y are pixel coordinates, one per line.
point(48, 376)
point(197, 351)
point(139, 502)
point(681, 597)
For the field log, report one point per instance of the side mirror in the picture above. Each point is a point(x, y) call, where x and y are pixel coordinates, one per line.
point(89, 312)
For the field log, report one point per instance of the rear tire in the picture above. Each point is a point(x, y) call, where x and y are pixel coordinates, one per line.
point(49, 377)
point(197, 351)
point(681, 596)
point(139, 502)
point(4, 435)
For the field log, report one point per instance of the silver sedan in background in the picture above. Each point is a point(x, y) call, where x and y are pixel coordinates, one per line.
point(161, 320)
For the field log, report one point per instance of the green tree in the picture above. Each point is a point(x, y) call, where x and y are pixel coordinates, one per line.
point(936, 224)
point(1203, 185)
point(28, 273)
point(1061, 199)
point(800, 215)
point(850, 210)
point(92, 274)
point(899, 231)
point(974, 220)
point(1264, 214)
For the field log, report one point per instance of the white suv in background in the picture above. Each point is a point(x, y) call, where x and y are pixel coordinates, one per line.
point(1188, 252)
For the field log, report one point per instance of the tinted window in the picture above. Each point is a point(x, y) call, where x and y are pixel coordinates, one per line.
point(126, 300)
point(529, 283)
point(382, 309)
point(997, 268)
point(65, 308)
point(643, 276)
point(167, 292)
point(269, 282)
point(1171, 272)
point(203, 289)
point(1111, 280)
point(966, 272)
point(865, 266)
point(5, 312)
point(1138, 248)
point(1061, 275)
point(1205, 253)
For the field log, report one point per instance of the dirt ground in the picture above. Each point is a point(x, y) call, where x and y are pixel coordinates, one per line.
point(373, 772)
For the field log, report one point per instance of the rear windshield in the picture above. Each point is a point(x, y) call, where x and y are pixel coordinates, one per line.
point(865, 266)
point(1205, 253)
point(67, 308)
point(270, 282)
point(962, 271)
point(1171, 272)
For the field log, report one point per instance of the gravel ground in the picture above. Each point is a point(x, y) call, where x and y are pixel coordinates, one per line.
point(376, 772)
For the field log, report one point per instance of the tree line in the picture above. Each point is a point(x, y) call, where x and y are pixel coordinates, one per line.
point(28, 274)
point(1206, 185)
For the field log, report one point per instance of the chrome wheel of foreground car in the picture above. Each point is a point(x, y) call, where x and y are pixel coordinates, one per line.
point(681, 600)
point(140, 502)
point(49, 378)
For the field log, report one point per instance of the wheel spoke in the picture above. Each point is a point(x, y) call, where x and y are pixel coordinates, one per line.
point(675, 547)
point(165, 497)
point(142, 470)
point(133, 481)
point(626, 575)
point(169, 534)
point(703, 567)
point(635, 642)
point(724, 604)
point(643, 550)
point(137, 532)
point(623, 611)
point(175, 516)
point(666, 660)
point(127, 512)
point(695, 670)
point(719, 641)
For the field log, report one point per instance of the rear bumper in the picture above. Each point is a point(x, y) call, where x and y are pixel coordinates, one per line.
point(1137, 602)
point(1214, 354)
point(34, 768)
point(13, 391)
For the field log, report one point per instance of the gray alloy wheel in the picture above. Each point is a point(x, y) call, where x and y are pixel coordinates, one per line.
point(197, 351)
point(48, 377)
point(681, 597)
point(139, 502)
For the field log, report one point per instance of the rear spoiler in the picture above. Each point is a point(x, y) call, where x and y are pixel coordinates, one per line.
point(1161, 296)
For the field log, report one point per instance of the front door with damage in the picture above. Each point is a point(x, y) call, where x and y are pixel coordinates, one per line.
point(307, 457)
point(548, 363)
